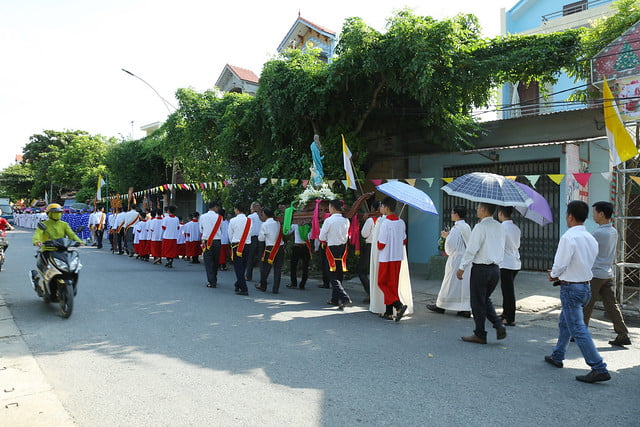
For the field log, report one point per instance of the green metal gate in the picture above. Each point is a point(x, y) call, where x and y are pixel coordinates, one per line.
point(538, 243)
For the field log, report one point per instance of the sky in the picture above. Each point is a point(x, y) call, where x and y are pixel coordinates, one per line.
point(62, 60)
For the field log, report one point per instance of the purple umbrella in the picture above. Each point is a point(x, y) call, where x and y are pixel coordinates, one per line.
point(538, 211)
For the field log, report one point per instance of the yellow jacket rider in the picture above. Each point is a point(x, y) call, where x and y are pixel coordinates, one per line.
point(56, 228)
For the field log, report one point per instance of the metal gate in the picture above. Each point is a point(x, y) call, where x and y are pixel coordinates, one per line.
point(538, 243)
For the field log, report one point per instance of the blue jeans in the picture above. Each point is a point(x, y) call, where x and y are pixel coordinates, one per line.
point(571, 324)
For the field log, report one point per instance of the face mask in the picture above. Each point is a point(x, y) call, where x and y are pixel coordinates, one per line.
point(55, 215)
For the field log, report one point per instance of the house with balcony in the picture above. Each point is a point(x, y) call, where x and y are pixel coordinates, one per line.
point(237, 80)
point(304, 34)
point(557, 147)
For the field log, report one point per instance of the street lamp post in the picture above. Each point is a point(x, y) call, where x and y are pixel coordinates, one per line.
point(171, 109)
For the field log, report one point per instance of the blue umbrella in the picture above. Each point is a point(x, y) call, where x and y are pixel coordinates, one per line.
point(488, 188)
point(409, 195)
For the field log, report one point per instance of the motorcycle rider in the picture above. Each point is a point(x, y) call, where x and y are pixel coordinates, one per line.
point(4, 225)
point(56, 228)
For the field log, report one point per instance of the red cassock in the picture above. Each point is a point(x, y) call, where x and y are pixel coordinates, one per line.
point(388, 277)
point(156, 248)
point(169, 248)
point(193, 249)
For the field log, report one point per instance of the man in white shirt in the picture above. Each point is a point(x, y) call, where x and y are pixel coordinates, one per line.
point(365, 251)
point(510, 265)
point(211, 233)
point(576, 253)
point(119, 224)
point(273, 254)
point(239, 227)
point(483, 255)
point(334, 235)
point(254, 251)
point(130, 219)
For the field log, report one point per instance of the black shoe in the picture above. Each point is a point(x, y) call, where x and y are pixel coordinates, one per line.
point(620, 342)
point(275, 292)
point(553, 362)
point(330, 302)
point(292, 286)
point(594, 377)
point(211, 285)
point(501, 333)
point(400, 313)
point(260, 288)
point(435, 308)
point(242, 293)
point(465, 314)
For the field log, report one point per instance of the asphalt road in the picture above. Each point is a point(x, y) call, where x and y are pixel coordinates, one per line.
point(151, 346)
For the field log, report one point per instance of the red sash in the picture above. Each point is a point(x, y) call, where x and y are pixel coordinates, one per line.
point(274, 250)
point(332, 260)
point(213, 233)
point(101, 224)
point(243, 239)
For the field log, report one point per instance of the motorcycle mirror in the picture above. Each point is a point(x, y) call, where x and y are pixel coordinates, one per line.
point(42, 226)
point(80, 228)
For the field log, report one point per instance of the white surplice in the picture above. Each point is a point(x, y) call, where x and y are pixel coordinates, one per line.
point(454, 293)
point(376, 298)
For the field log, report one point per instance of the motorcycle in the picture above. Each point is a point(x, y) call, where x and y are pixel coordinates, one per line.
point(3, 246)
point(55, 278)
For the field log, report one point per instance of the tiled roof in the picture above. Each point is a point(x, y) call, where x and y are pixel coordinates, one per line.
point(311, 24)
point(244, 74)
point(18, 157)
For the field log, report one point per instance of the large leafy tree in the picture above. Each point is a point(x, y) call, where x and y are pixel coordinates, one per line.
point(16, 181)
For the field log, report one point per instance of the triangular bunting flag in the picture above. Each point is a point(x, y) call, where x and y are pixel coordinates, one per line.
point(263, 180)
point(274, 181)
point(582, 178)
point(294, 181)
point(533, 179)
point(635, 179)
point(511, 177)
point(305, 182)
point(556, 177)
point(345, 183)
point(428, 181)
point(606, 175)
point(391, 180)
point(331, 182)
point(411, 181)
point(376, 182)
point(447, 180)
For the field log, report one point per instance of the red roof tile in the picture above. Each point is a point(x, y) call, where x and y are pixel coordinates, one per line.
point(306, 21)
point(244, 74)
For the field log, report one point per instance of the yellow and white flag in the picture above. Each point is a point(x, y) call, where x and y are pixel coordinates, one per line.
point(101, 182)
point(621, 145)
point(348, 168)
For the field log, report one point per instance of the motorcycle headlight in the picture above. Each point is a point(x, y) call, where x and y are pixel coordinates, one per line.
point(61, 265)
point(75, 264)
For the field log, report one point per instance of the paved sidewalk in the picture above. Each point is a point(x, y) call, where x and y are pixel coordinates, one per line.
point(26, 398)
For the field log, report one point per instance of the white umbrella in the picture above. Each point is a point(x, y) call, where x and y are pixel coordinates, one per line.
point(488, 188)
point(409, 195)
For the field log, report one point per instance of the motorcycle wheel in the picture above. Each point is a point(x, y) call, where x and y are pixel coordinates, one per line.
point(65, 296)
point(1, 259)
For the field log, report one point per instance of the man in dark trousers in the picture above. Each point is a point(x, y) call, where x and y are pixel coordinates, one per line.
point(273, 254)
point(334, 235)
point(211, 233)
point(483, 255)
point(240, 239)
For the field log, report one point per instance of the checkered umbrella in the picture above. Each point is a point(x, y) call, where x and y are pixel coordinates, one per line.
point(488, 188)
point(409, 195)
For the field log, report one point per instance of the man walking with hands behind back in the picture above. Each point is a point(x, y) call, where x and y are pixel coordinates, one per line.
point(577, 250)
point(485, 251)
point(602, 282)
